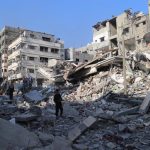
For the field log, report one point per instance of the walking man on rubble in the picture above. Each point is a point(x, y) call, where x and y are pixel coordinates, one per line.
point(11, 90)
point(58, 103)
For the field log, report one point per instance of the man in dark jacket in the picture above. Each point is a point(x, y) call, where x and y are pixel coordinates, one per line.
point(11, 90)
point(58, 104)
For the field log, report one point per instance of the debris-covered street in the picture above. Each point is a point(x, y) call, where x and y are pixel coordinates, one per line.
point(63, 94)
point(97, 115)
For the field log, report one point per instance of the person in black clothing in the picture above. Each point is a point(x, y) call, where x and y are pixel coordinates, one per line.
point(11, 90)
point(58, 103)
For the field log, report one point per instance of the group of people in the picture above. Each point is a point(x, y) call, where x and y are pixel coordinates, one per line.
point(7, 87)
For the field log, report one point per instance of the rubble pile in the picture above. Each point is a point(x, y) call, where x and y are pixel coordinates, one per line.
point(97, 115)
point(98, 85)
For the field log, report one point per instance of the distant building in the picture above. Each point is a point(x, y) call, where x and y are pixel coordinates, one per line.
point(30, 51)
point(7, 35)
point(76, 56)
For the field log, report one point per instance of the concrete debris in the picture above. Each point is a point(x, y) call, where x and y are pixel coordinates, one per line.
point(45, 138)
point(60, 143)
point(16, 136)
point(97, 115)
point(34, 96)
point(146, 104)
point(77, 131)
point(25, 117)
point(130, 111)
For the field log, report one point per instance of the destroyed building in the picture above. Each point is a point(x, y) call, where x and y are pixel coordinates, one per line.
point(129, 27)
point(98, 113)
point(31, 51)
point(7, 35)
point(77, 56)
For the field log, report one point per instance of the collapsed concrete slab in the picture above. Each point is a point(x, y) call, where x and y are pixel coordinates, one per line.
point(91, 67)
point(130, 111)
point(77, 131)
point(16, 136)
point(34, 96)
point(145, 105)
point(25, 117)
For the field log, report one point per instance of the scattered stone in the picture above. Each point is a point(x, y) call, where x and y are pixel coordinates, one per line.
point(122, 127)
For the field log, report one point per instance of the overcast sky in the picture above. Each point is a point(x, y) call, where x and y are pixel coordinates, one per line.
point(70, 20)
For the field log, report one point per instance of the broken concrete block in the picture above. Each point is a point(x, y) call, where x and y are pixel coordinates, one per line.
point(45, 138)
point(74, 133)
point(98, 112)
point(111, 145)
point(25, 117)
point(89, 121)
point(77, 131)
point(60, 143)
point(145, 105)
point(34, 96)
point(122, 127)
point(128, 111)
point(16, 136)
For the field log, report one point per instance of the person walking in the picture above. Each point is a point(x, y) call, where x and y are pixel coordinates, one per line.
point(30, 82)
point(11, 90)
point(25, 85)
point(58, 103)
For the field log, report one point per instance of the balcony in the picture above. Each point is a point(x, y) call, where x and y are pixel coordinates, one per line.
point(14, 66)
point(38, 53)
point(14, 54)
point(15, 76)
point(34, 41)
point(26, 63)
point(41, 42)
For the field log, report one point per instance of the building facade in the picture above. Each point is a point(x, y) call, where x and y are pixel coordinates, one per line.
point(128, 27)
point(7, 35)
point(30, 51)
point(77, 56)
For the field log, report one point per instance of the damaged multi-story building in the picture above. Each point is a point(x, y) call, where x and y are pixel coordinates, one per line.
point(30, 51)
point(76, 56)
point(127, 27)
point(7, 35)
